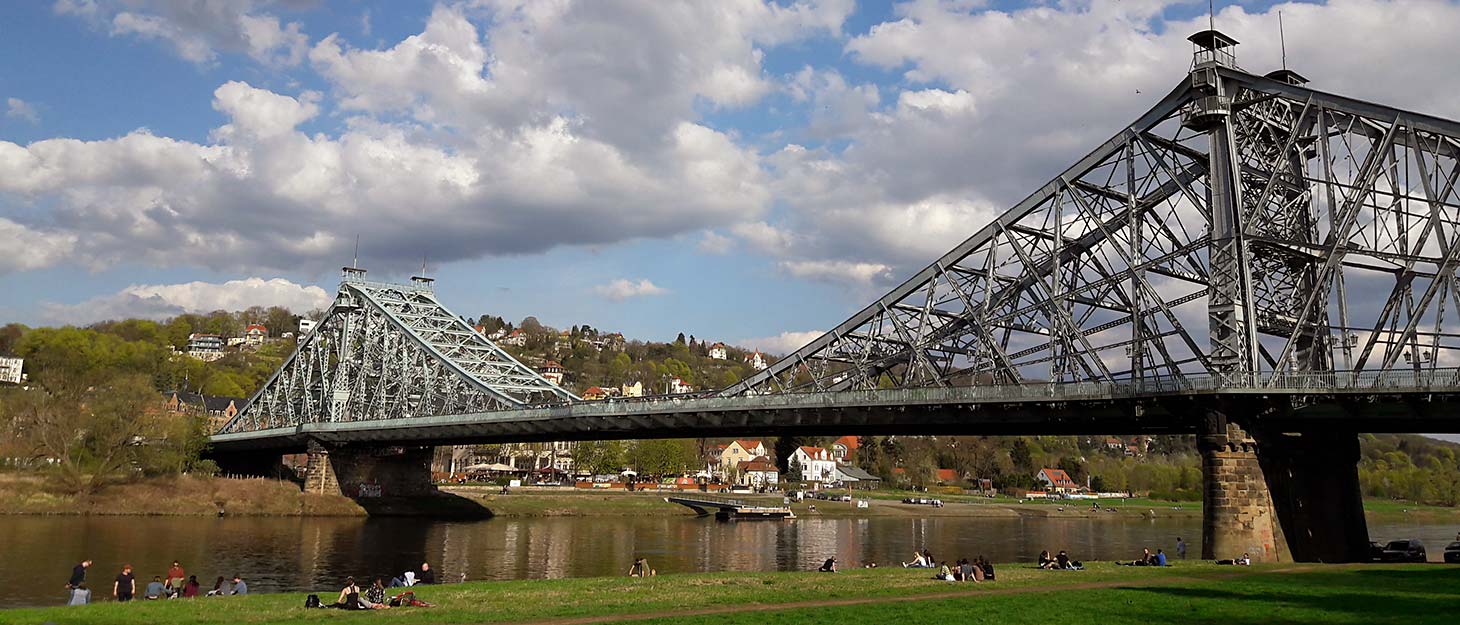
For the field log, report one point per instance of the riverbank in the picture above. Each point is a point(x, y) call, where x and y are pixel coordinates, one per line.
point(1199, 592)
point(175, 496)
point(207, 496)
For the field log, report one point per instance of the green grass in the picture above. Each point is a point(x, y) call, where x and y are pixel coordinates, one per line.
point(1365, 596)
point(1195, 593)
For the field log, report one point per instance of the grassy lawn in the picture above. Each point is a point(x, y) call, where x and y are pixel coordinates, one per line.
point(1195, 593)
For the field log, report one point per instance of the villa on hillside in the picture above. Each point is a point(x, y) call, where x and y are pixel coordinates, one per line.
point(1056, 480)
point(756, 360)
point(717, 351)
point(740, 451)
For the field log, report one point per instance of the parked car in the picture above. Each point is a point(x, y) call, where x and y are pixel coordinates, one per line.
point(1452, 553)
point(1376, 551)
point(1411, 550)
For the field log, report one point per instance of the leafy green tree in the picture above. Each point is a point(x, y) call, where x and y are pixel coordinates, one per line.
point(599, 457)
point(661, 457)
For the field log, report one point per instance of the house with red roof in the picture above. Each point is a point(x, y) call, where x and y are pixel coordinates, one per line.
point(255, 334)
point(756, 360)
point(739, 451)
point(551, 371)
point(717, 351)
point(844, 449)
point(1056, 480)
point(758, 473)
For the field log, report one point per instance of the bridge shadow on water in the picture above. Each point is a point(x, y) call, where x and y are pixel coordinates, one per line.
point(1363, 596)
point(437, 506)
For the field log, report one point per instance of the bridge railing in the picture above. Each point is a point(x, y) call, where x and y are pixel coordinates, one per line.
point(711, 499)
point(1336, 381)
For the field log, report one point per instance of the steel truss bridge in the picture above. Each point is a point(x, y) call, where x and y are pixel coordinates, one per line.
point(1247, 238)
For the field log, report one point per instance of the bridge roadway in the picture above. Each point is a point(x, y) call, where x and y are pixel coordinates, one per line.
point(1426, 401)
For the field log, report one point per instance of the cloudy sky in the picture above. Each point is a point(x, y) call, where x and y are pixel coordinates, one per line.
point(738, 170)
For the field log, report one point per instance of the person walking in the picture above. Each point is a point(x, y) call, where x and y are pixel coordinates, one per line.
point(1180, 548)
point(125, 586)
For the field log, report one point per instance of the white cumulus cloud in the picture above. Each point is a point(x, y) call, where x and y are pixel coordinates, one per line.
point(198, 30)
point(783, 343)
point(622, 289)
point(157, 301)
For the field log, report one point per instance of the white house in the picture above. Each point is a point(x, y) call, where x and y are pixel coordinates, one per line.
point(10, 370)
point(813, 464)
point(1056, 480)
point(255, 334)
point(305, 325)
point(632, 390)
point(551, 371)
point(517, 337)
point(205, 347)
point(756, 360)
point(677, 385)
point(717, 351)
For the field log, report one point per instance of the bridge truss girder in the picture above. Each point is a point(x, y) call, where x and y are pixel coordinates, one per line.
point(390, 351)
point(1337, 250)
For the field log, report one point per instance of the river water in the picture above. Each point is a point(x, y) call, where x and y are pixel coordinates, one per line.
point(298, 554)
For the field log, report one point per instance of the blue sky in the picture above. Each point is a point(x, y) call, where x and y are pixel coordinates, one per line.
point(740, 171)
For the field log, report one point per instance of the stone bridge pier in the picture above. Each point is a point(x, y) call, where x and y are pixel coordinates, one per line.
point(366, 472)
point(1280, 495)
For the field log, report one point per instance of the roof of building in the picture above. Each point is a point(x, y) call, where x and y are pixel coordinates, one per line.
point(748, 445)
point(857, 474)
point(211, 403)
point(947, 475)
point(812, 451)
point(1058, 477)
point(594, 390)
point(256, 326)
point(552, 364)
point(717, 344)
point(757, 465)
point(850, 442)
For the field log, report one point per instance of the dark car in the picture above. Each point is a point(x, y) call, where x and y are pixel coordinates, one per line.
point(1410, 550)
point(1376, 551)
point(1452, 553)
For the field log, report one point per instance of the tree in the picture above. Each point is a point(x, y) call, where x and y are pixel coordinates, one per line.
point(599, 457)
point(661, 456)
point(9, 336)
point(93, 435)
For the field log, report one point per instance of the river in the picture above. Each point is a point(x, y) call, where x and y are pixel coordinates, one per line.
point(297, 554)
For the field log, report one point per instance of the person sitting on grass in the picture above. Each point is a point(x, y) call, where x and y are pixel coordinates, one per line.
point(1146, 559)
point(240, 587)
point(829, 566)
point(375, 595)
point(1160, 558)
point(640, 568)
point(964, 572)
point(349, 596)
point(1045, 562)
point(944, 573)
point(983, 566)
point(155, 590)
point(427, 575)
point(1063, 562)
point(80, 594)
point(918, 562)
point(190, 588)
point(220, 588)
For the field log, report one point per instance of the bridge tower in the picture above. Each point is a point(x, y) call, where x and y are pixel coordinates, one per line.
point(1257, 483)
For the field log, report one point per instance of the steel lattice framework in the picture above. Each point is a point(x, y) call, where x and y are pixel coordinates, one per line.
point(391, 351)
point(1309, 232)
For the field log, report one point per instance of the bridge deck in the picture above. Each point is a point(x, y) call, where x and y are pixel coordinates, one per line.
point(1396, 401)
